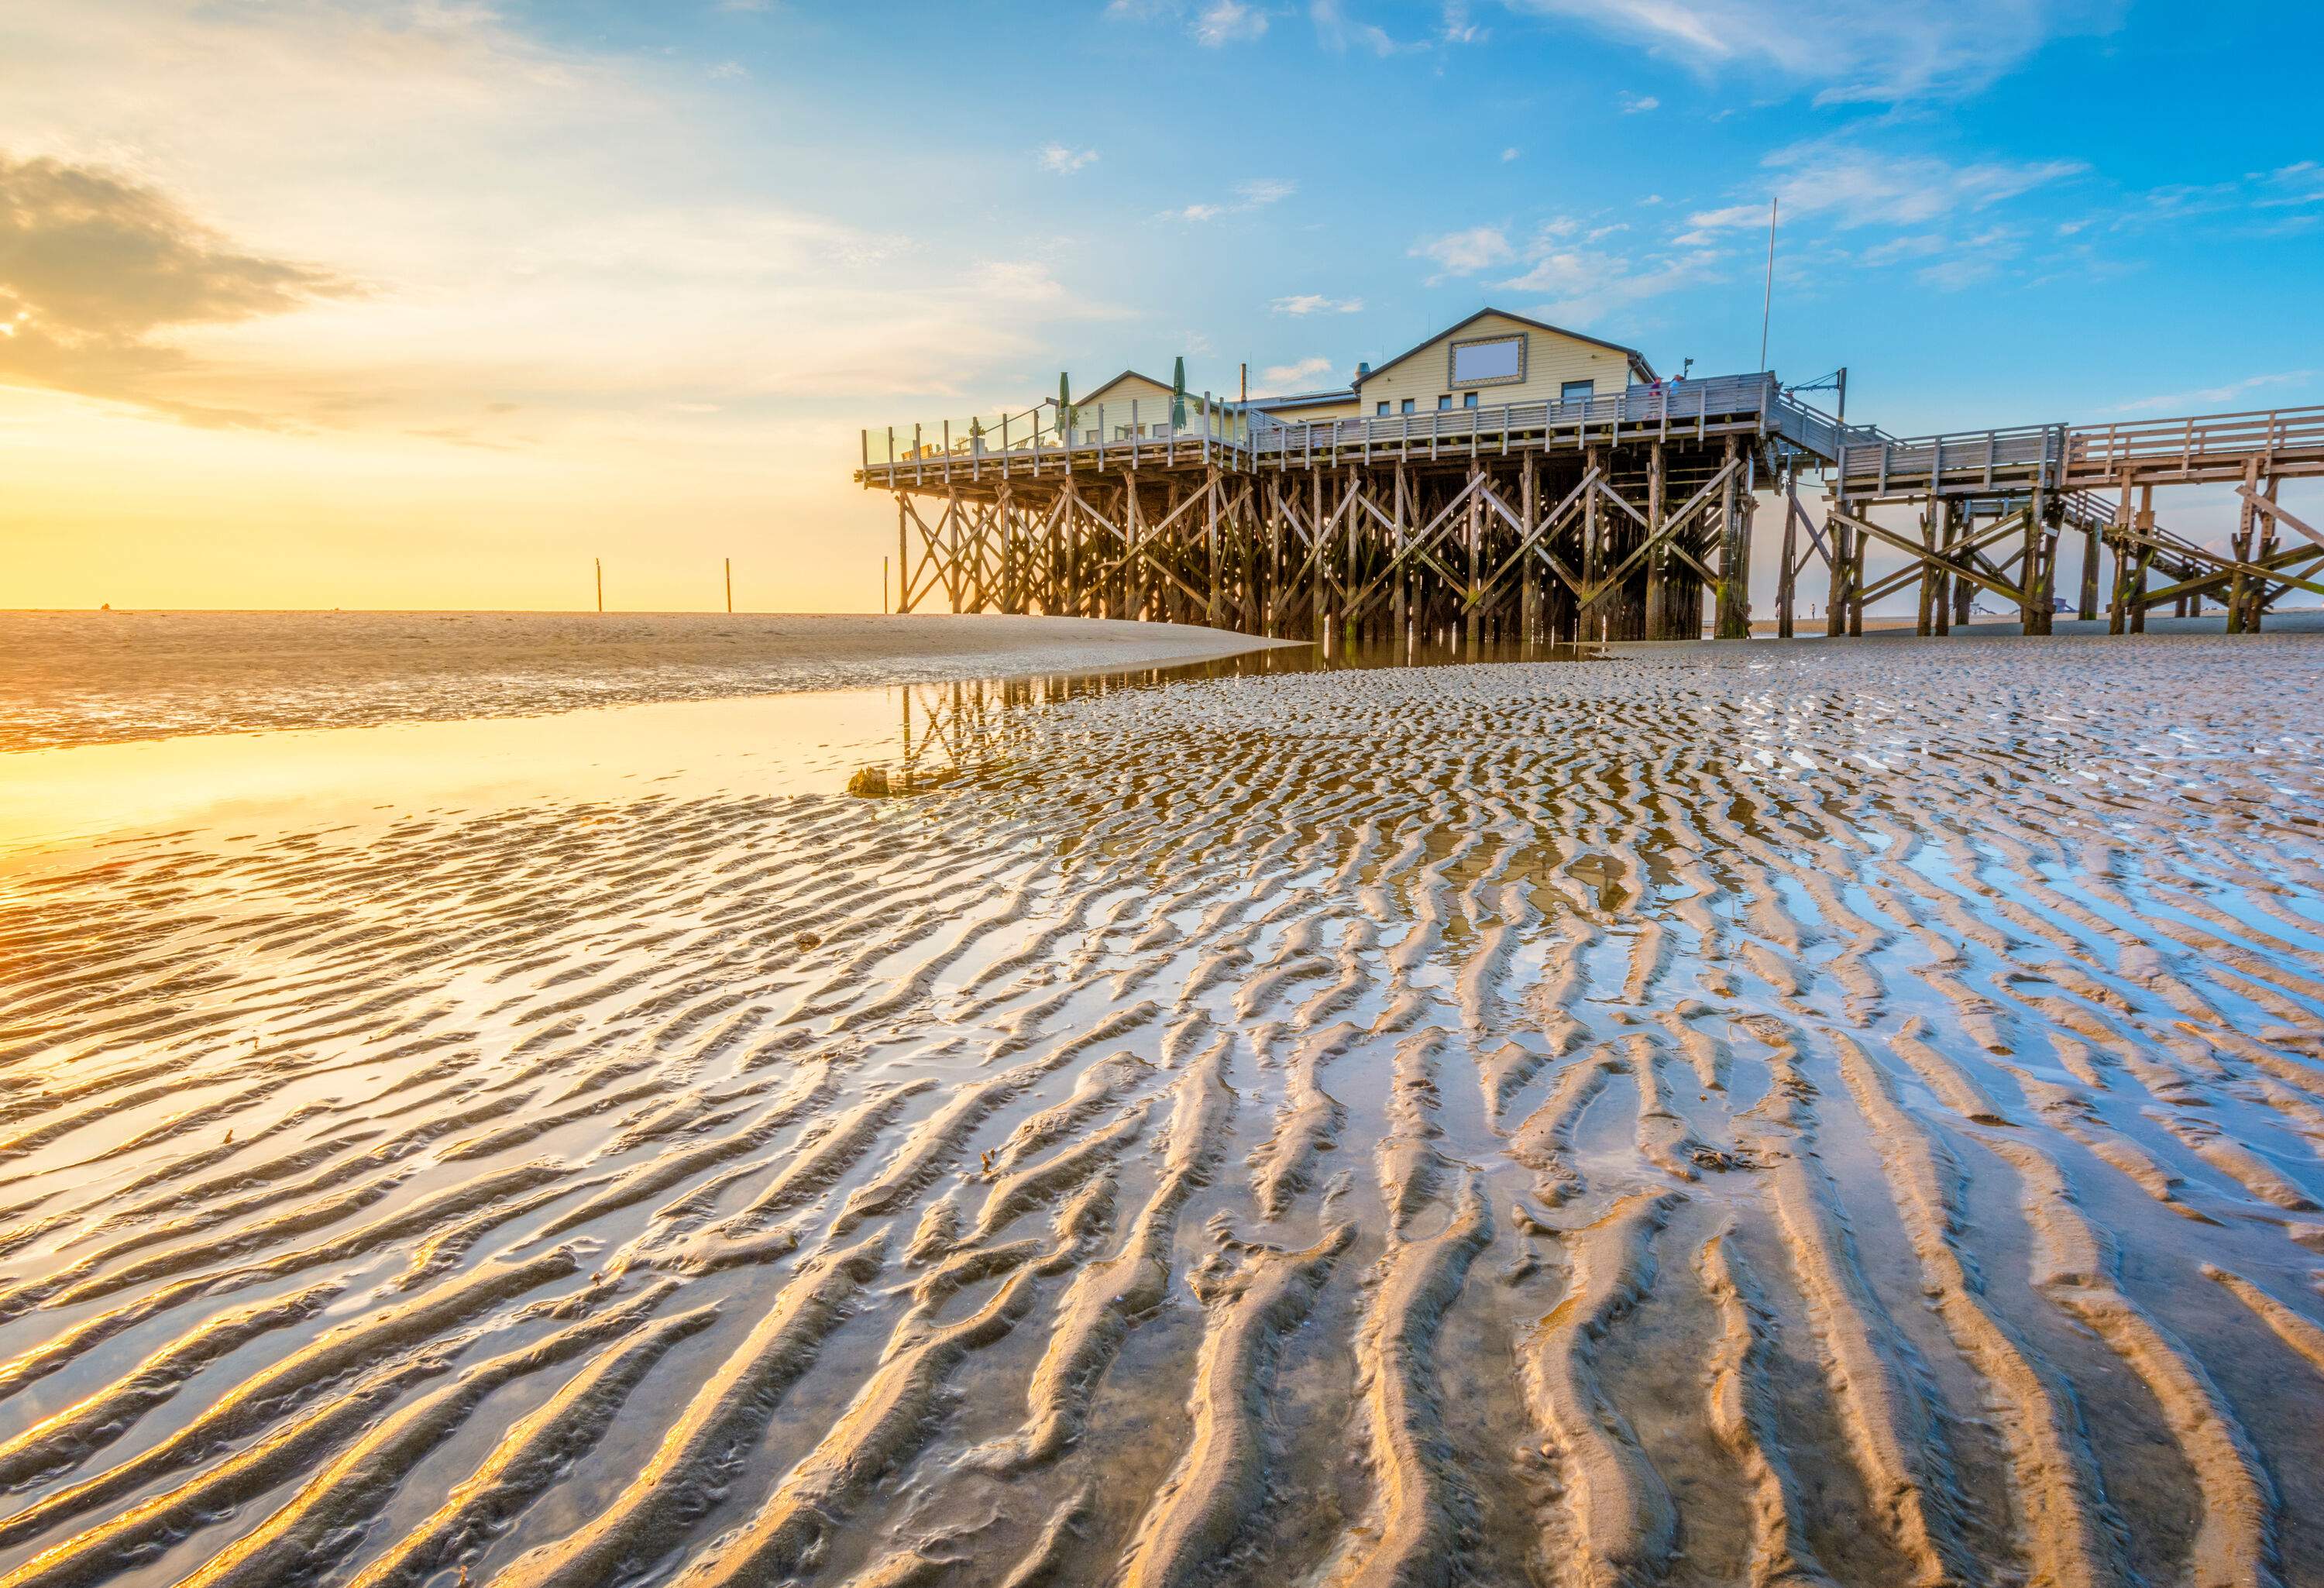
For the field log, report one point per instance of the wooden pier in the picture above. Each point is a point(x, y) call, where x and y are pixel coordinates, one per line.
point(1628, 516)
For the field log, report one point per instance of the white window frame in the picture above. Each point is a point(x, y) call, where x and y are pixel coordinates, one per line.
point(1453, 376)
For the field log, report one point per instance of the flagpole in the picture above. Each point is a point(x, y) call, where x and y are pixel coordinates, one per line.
point(1767, 303)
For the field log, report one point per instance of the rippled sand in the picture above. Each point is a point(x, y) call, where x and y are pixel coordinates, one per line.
point(1841, 1115)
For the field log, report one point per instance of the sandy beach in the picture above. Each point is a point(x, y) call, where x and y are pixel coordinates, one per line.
point(1759, 1114)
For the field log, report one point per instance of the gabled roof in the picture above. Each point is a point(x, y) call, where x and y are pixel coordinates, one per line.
point(1128, 375)
point(1637, 359)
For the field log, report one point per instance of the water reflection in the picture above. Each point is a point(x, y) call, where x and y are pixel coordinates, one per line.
point(952, 729)
point(925, 735)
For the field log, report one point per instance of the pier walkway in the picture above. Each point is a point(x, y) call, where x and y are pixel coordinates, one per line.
point(1606, 517)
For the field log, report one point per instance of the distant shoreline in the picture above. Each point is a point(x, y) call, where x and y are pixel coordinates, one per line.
point(85, 677)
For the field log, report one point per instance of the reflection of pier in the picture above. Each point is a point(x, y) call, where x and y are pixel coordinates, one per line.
point(1626, 516)
point(954, 730)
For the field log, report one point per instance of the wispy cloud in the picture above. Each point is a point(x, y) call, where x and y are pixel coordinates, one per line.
point(1850, 186)
point(2287, 199)
point(2205, 396)
point(1229, 22)
point(1458, 28)
point(1257, 193)
point(1316, 303)
point(1639, 104)
point(1585, 286)
point(1464, 252)
point(1877, 50)
point(95, 267)
point(380, 220)
point(1336, 30)
point(1296, 377)
point(1063, 161)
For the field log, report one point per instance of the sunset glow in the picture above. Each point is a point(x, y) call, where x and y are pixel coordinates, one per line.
point(419, 304)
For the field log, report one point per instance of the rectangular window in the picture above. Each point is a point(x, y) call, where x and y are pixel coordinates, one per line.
point(1383, 410)
point(1468, 399)
point(1490, 361)
point(1577, 391)
point(1407, 405)
point(1443, 403)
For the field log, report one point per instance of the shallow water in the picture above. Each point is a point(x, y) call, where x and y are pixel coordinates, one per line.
point(1845, 1114)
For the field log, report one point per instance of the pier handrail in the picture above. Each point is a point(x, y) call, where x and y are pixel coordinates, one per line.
point(2196, 439)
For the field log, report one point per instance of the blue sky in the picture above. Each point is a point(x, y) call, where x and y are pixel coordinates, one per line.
point(427, 303)
point(1993, 212)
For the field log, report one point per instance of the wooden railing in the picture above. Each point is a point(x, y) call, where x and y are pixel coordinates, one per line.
point(1982, 459)
point(2216, 444)
point(2205, 446)
point(1671, 408)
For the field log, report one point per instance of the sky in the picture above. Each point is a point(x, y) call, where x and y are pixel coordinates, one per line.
point(312, 303)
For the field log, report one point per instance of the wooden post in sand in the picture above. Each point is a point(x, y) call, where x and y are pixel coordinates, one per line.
point(1842, 559)
point(729, 586)
point(600, 564)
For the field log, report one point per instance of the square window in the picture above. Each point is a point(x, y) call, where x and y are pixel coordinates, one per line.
point(1468, 399)
point(1443, 403)
point(1407, 405)
point(1383, 410)
point(1577, 391)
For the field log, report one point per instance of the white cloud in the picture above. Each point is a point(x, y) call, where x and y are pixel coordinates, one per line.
point(1458, 29)
point(2297, 184)
point(1880, 51)
point(1254, 194)
point(1465, 253)
point(1638, 103)
point(1335, 33)
point(1063, 161)
point(1316, 303)
point(1229, 22)
point(1586, 285)
point(729, 70)
point(1507, 156)
point(504, 204)
point(1293, 377)
point(2172, 401)
point(1850, 186)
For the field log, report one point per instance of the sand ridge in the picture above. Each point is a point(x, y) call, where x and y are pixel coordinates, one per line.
point(1834, 1116)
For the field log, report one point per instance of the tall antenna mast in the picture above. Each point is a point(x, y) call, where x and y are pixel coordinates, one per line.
point(1767, 303)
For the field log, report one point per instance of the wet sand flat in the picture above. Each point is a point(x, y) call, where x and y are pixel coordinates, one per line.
point(1772, 1115)
point(81, 677)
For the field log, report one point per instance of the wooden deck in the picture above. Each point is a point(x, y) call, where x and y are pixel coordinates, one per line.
point(1556, 521)
point(2284, 443)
